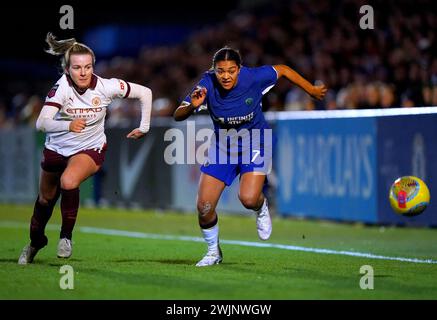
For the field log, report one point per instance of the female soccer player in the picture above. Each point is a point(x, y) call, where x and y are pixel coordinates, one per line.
point(73, 118)
point(233, 95)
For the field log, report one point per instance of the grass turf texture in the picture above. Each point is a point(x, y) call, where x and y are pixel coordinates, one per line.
point(120, 267)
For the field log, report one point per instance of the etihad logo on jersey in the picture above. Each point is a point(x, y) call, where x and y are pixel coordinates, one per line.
point(82, 111)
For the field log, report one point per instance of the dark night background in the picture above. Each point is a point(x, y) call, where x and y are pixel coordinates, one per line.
point(168, 45)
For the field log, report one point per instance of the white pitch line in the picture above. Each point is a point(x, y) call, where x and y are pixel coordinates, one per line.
point(142, 235)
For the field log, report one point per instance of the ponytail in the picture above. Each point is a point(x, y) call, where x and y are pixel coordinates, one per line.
point(66, 48)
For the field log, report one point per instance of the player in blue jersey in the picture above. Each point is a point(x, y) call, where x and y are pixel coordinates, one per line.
point(242, 143)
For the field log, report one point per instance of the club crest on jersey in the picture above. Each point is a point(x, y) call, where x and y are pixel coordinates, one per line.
point(96, 101)
point(249, 101)
point(52, 91)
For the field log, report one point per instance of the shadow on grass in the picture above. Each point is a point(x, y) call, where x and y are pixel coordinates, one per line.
point(187, 262)
point(163, 261)
point(9, 260)
point(174, 261)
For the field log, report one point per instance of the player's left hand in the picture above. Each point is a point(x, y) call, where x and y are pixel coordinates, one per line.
point(135, 134)
point(318, 92)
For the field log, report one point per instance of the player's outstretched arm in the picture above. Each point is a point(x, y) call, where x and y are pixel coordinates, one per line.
point(144, 94)
point(186, 109)
point(317, 92)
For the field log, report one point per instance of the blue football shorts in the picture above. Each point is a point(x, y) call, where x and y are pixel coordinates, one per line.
point(228, 165)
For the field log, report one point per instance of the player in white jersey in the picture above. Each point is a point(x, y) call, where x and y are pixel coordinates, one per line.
point(73, 119)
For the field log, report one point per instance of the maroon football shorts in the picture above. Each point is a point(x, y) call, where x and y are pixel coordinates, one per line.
point(55, 162)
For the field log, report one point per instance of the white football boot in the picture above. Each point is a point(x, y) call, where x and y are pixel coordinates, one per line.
point(264, 222)
point(212, 257)
point(27, 254)
point(65, 248)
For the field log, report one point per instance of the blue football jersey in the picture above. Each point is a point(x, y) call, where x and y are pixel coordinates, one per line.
point(240, 107)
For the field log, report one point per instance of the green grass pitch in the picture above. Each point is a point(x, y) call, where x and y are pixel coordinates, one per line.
point(144, 264)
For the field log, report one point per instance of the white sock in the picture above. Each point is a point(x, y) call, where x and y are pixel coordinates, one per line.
point(211, 237)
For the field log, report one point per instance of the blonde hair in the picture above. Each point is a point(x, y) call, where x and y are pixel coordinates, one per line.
point(66, 48)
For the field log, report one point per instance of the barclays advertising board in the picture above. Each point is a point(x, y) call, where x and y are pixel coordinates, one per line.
point(326, 168)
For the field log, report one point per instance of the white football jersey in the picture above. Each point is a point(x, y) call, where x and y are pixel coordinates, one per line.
point(90, 105)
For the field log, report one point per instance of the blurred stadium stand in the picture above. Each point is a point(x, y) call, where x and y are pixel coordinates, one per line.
point(394, 65)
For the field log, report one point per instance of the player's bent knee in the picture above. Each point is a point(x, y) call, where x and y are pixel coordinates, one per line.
point(69, 183)
point(43, 201)
point(46, 199)
point(204, 208)
point(249, 201)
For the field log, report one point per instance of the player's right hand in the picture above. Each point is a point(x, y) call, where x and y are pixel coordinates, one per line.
point(198, 96)
point(318, 92)
point(77, 125)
